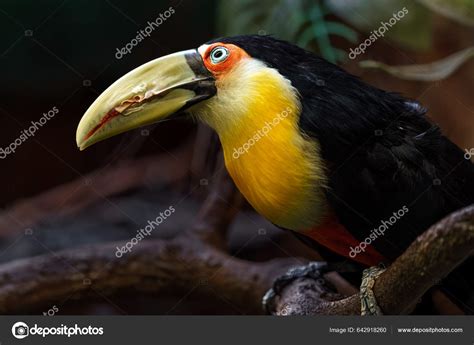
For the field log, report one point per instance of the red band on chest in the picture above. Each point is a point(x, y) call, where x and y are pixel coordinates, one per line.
point(332, 235)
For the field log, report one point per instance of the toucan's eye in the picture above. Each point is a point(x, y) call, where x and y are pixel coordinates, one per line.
point(219, 54)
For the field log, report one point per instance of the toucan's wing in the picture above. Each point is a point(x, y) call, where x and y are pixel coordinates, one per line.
point(402, 164)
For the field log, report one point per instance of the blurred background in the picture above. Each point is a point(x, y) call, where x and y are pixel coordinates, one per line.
point(62, 54)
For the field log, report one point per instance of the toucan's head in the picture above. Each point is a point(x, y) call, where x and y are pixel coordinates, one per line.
point(221, 83)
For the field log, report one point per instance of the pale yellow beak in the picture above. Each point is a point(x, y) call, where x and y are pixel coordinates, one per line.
point(148, 94)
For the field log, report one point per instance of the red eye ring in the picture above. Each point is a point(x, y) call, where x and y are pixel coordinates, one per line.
point(229, 56)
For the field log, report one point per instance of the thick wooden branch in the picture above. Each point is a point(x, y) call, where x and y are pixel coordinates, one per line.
point(180, 266)
point(218, 211)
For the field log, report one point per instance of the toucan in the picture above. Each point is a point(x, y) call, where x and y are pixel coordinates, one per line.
point(346, 166)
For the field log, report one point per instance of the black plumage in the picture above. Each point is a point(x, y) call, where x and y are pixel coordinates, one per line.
point(381, 151)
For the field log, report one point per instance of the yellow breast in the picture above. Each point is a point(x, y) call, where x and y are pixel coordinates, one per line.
point(277, 170)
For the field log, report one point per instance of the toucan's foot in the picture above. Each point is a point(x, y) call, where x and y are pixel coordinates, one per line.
point(313, 270)
point(368, 302)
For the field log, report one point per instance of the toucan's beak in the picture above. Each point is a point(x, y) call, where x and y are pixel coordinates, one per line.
point(148, 94)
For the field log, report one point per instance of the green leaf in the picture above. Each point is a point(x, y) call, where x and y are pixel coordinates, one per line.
point(305, 37)
point(321, 33)
point(249, 19)
point(429, 72)
point(412, 31)
point(335, 28)
point(299, 21)
point(461, 11)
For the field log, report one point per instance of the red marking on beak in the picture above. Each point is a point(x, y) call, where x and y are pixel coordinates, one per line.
point(109, 116)
point(114, 113)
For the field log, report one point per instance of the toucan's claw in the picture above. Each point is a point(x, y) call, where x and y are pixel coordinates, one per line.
point(313, 270)
point(316, 270)
point(368, 302)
